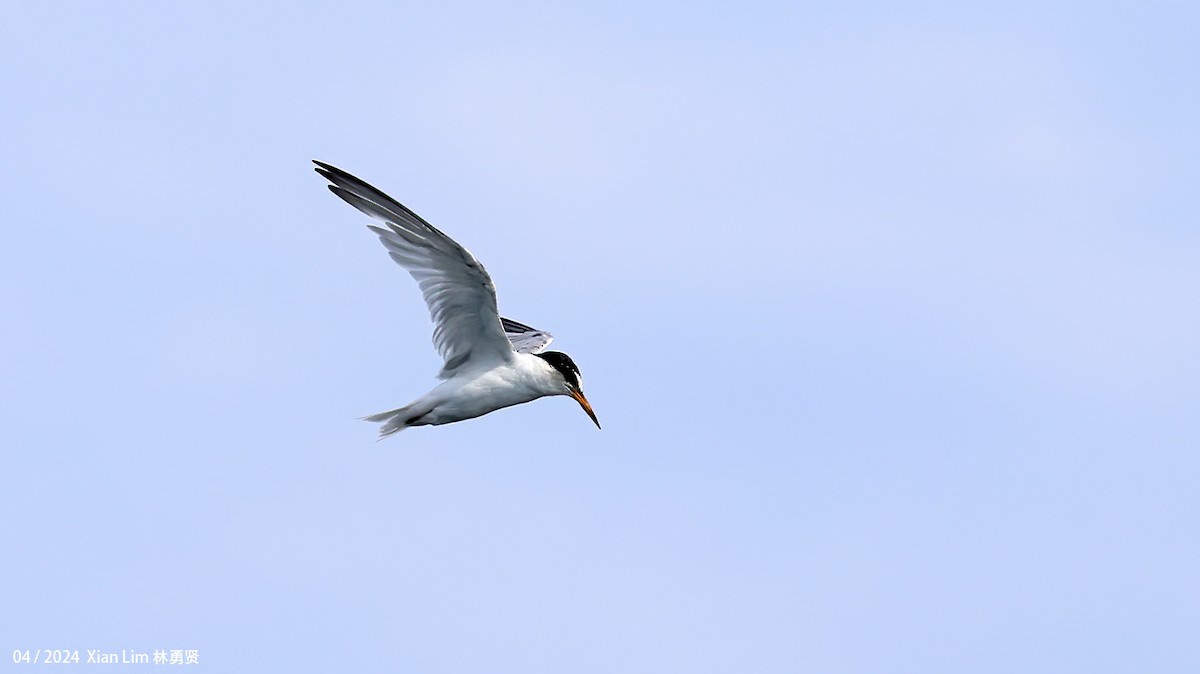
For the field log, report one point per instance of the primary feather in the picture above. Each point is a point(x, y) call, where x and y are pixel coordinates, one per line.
point(524, 338)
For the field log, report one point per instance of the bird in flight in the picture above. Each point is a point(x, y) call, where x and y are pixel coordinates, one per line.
point(491, 362)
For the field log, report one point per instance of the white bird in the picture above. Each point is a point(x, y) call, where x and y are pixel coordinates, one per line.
point(491, 362)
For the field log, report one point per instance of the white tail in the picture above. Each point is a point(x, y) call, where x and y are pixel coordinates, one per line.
point(393, 421)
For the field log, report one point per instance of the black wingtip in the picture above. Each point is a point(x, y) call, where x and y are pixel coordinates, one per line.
point(333, 173)
point(512, 326)
point(326, 171)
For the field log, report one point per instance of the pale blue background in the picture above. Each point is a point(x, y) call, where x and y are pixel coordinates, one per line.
point(889, 312)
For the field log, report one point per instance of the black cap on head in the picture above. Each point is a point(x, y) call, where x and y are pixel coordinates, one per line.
point(565, 366)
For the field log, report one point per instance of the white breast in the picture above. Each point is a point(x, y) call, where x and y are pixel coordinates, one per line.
point(475, 393)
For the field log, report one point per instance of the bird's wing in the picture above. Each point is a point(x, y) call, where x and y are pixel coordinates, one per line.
point(458, 290)
point(524, 338)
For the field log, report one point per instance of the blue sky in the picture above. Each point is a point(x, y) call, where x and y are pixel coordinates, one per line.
point(889, 313)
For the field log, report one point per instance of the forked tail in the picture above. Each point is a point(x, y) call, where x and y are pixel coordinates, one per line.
point(393, 421)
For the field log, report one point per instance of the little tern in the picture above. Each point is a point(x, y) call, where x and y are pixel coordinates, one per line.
point(491, 362)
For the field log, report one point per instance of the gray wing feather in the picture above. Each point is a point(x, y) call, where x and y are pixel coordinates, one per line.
point(524, 338)
point(460, 294)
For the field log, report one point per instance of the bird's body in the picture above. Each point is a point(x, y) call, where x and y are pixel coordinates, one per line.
point(473, 393)
point(490, 362)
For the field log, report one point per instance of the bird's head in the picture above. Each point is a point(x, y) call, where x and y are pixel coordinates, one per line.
point(572, 382)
